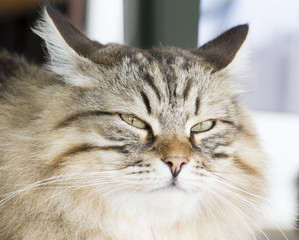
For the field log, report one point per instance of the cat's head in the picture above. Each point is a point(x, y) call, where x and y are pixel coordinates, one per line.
point(157, 126)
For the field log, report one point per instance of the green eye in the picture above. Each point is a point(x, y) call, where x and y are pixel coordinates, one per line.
point(203, 126)
point(133, 121)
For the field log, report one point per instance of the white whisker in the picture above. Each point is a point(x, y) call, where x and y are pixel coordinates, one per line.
point(237, 210)
point(245, 200)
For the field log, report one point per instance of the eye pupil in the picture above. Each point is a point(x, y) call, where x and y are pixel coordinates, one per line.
point(131, 119)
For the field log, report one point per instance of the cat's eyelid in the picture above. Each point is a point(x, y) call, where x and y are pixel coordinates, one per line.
point(152, 123)
point(147, 125)
point(194, 121)
point(133, 115)
point(208, 128)
point(215, 122)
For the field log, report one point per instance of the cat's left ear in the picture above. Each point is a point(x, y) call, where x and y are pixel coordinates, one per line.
point(70, 51)
point(221, 51)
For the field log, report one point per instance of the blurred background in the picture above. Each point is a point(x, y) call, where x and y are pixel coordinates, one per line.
point(271, 72)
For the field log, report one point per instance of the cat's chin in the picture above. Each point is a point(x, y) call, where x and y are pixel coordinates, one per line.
point(162, 206)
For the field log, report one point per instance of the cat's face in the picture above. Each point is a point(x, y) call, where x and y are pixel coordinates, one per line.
point(159, 127)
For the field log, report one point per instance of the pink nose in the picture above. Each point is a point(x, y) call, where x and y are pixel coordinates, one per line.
point(175, 163)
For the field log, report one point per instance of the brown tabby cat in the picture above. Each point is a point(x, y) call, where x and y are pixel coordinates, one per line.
point(121, 143)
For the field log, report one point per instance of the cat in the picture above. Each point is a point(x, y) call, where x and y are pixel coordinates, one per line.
point(112, 142)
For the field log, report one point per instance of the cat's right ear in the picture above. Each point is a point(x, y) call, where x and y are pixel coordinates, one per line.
point(69, 49)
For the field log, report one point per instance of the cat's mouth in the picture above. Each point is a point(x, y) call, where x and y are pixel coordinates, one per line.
point(173, 185)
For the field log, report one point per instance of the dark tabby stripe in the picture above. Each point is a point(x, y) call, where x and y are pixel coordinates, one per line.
point(86, 147)
point(197, 101)
point(221, 155)
point(66, 122)
point(146, 102)
point(228, 122)
point(150, 81)
point(245, 167)
point(187, 90)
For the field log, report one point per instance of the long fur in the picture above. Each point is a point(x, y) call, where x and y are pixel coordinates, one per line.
point(71, 168)
point(62, 58)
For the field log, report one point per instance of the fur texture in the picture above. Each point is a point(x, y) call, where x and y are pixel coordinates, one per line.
point(72, 168)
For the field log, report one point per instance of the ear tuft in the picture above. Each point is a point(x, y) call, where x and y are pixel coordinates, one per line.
point(73, 37)
point(221, 51)
point(67, 46)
